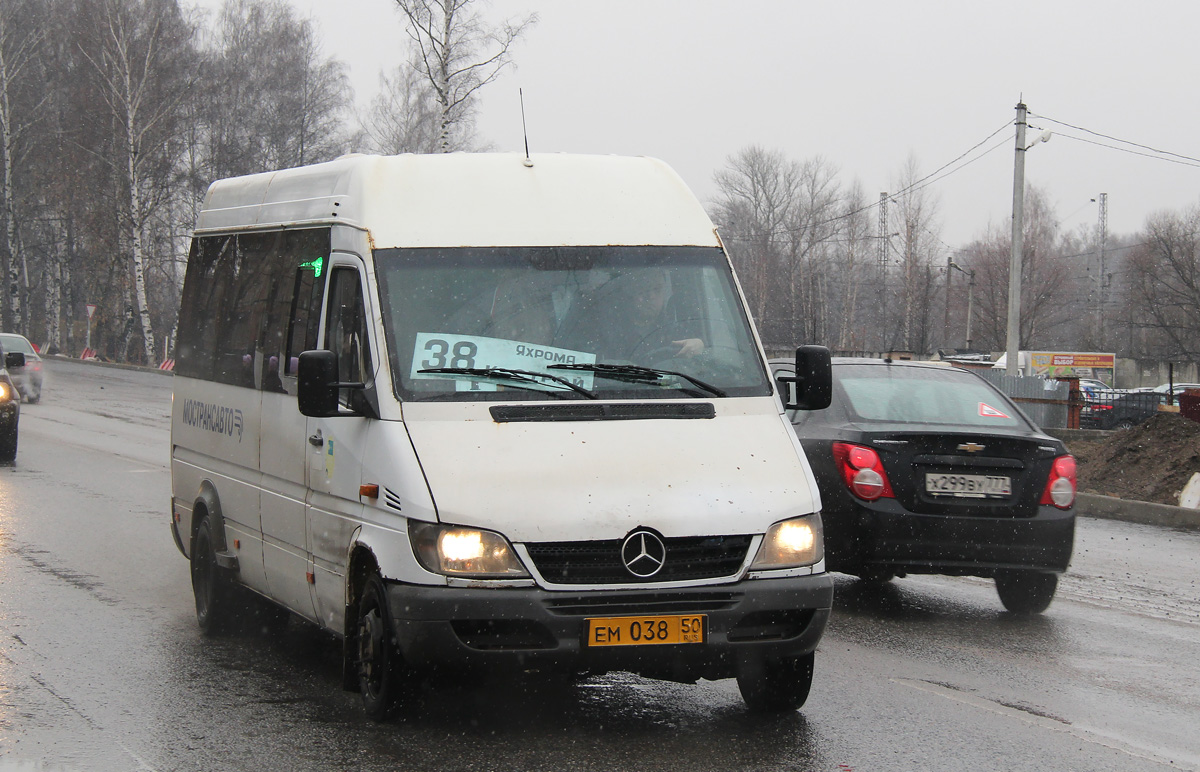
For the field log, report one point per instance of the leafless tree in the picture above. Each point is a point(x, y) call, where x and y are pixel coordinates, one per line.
point(458, 53)
point(757, 190)
point(1164, 284)
point(22, 32)
point(272, 100)
point(781, 220)
point(914, 217)
point(136, 64)
point(1046, 282)
point(404, 116)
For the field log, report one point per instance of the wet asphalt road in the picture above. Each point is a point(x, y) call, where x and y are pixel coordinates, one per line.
point(102, 668)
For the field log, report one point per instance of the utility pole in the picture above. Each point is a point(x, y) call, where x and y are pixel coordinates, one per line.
point(946, 318)
point(1102, 278)
point(884, 246)
point(970, 294)
point(1012, 354)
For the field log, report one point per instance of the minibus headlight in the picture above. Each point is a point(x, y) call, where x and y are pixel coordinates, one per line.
point(791, 544)
point(469, 552)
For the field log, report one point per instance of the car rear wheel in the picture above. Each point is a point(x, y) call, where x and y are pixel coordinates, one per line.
point(776, 686)
point(1026, 592)
point(212, 587)
point(1124, 424)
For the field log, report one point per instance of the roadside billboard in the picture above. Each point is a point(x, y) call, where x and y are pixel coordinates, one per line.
point(1073, 364)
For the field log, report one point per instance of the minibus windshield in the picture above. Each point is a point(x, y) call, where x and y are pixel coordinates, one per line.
point(617, 322)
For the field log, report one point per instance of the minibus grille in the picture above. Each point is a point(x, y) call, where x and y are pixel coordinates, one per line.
point(599, 562)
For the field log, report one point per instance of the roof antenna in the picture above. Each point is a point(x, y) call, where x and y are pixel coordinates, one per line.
point(524, 131)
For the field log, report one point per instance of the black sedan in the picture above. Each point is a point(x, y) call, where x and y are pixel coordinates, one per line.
point(10, 408)
point(1123, 411)
point(929, 469)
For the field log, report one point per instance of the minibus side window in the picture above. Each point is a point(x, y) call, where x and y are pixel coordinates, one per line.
point(201, 300)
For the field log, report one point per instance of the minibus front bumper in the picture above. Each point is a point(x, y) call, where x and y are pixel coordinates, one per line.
point(532, 628)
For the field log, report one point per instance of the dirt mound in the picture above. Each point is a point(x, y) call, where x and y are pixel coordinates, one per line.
point(1150, 462)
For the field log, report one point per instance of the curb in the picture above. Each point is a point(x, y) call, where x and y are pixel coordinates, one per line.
point(112, 365)
point(1143, 512)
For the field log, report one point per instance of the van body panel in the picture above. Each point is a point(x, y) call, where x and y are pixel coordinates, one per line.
point(420, 200)
point(284, 491)
point(565, 481)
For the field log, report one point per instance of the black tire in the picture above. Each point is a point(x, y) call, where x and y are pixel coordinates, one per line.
point(211, 585)
point(875, 576)
point(383, 680)
point(8, 447)
point(776, 686)
point(34, 398)
point(1026, 592)
point(1124, 424)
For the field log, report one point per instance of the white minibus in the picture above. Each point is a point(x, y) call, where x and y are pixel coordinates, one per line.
point(485, 411)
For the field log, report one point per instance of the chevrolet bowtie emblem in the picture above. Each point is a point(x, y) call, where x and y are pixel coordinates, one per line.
point(970, 447)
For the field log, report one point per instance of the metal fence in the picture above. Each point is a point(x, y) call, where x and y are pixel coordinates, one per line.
point(1045, 402)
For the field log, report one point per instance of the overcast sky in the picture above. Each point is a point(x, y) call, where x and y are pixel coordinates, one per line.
point(864, 84)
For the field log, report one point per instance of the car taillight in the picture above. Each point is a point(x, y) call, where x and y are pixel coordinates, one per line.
point(862, 471)
point(1060, 486)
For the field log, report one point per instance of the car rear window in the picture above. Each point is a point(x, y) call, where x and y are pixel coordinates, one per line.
point(15, 343)
point(911, 395)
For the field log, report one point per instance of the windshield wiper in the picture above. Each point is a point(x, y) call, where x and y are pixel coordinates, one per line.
point(517, 376)
point(638, 374)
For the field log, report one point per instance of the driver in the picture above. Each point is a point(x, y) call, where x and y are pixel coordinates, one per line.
point(629, 318)
point(649, 323)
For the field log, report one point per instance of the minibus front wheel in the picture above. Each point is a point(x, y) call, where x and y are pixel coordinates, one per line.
point(776, 685)
point(383, 679)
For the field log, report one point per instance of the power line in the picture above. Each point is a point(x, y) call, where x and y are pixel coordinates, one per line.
point(917, 185)
point(1114, 139)
point(1131, 152)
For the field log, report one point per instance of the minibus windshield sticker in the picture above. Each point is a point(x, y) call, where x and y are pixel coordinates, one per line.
point(436, 349)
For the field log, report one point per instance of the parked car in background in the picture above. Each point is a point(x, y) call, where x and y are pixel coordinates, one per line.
point(927, 469)
point(1091, 384)
point(10, 407)
point(1124, 411)
point(1176, 388)
point(28, 378)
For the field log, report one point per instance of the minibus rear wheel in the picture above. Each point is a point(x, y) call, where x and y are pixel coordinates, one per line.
point(383, 679)
point(210, 584)
point(775, 686)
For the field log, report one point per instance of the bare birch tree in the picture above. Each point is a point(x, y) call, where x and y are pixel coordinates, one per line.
point(458, 53)
point(137, 66)
point(21, 36)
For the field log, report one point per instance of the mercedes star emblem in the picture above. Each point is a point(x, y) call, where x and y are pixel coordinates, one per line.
point(643, 553)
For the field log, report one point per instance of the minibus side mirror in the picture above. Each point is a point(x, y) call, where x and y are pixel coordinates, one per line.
point(811, 388)
point(317, 386)
point(14, 359)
